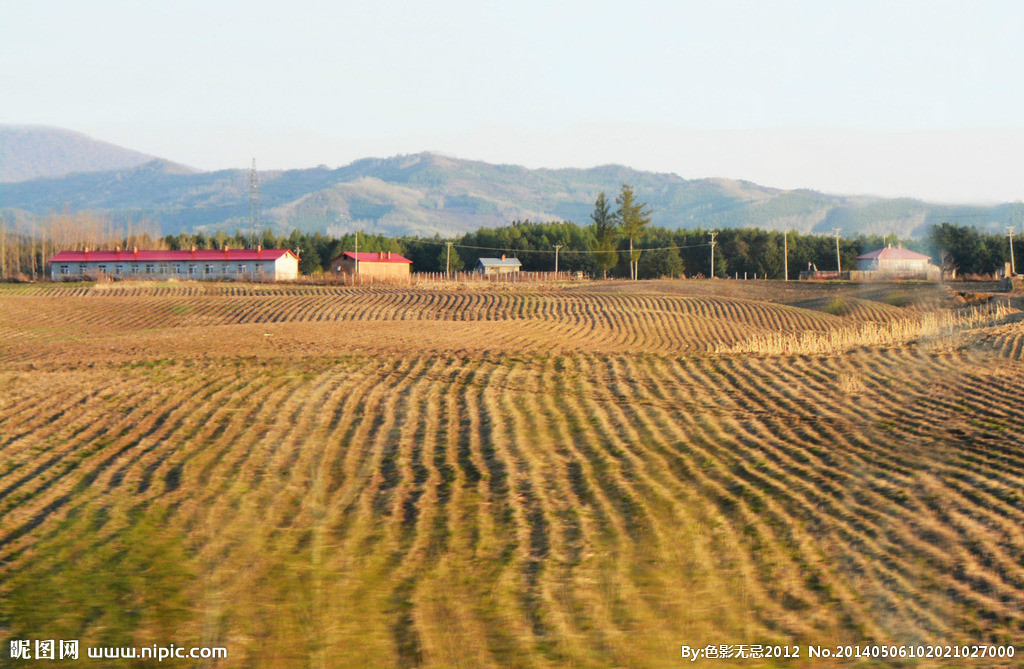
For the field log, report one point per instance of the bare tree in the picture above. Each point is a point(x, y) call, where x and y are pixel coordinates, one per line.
point(949, 265)
point(3, 247)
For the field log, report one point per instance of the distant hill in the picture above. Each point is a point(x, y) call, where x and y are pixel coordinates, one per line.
point(425, 193)
point(33, 151)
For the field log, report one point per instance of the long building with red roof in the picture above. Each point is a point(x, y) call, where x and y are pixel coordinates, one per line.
point(258, 263)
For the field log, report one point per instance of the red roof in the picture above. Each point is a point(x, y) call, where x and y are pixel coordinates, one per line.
point(889, 253)
point(374, 256)
point(171, 256)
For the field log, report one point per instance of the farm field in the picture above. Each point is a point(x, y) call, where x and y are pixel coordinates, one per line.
point(587, 475)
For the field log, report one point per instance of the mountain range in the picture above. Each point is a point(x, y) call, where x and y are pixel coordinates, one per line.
point(46, 170)
point(33, 151)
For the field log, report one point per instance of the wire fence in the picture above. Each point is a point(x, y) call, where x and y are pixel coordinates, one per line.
point(417, 278)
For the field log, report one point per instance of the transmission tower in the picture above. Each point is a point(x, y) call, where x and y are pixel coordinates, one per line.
point(254, 200)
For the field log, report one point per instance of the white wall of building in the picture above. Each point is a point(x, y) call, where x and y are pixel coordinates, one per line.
point(283, 269)
point(893, 265)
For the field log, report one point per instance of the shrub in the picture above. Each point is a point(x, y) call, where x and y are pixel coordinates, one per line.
point(837, 307)
point(899, 299)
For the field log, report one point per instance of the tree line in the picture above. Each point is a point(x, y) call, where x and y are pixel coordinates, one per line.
point(618, 242)
point(25, 250)
point(606, 248)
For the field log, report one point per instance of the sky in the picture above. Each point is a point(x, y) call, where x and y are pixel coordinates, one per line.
point(916, 99)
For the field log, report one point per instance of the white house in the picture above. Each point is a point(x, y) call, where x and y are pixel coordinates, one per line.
point(258, 263)
point(893, 261)
point(500, 265)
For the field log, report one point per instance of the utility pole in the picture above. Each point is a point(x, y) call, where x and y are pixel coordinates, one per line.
point(557, 246)
point(785, 254)
point(448, 260)
point(357, 254)
point(42, 251)
point(713, 235)
point(839, 261)
point(1013, 266)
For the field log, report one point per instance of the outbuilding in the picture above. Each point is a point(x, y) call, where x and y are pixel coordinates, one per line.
point(379, 265)
point(500, 265)
point(258, 263)
point(897, 262)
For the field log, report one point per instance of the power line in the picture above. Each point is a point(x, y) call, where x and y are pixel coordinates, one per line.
point(436, 242)
point(562, 250)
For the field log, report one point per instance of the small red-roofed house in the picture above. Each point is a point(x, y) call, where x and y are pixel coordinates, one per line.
point(377, 264)
point(258, 263)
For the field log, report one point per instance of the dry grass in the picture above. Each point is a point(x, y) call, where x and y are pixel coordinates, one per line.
point(533, 477)
point(941, 327)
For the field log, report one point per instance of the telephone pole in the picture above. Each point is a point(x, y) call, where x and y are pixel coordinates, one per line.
point(557, 246)
point(839, 261)
point(785, 254)
point(357, 254)
point(713, 235)
point(448, 261)
point(1013, 266)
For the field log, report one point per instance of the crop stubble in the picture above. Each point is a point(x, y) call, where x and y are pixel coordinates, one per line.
point(502, 477)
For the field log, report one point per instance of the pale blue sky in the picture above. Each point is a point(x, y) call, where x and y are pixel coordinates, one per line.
point(894, 98)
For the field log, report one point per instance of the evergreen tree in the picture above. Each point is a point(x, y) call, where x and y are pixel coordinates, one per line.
point(605, 235)
point(268, 240)
point(967, 249)
point(454, 263)
point(664, 262)
point(633, 218)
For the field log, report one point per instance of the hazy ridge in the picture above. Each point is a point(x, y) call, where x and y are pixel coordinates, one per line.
point(428, 193)
point(34, 151)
